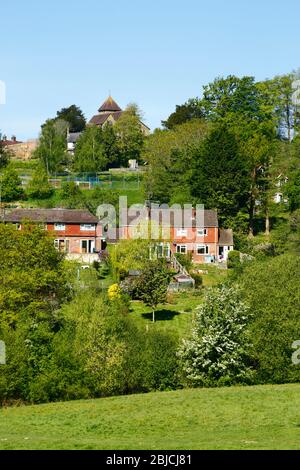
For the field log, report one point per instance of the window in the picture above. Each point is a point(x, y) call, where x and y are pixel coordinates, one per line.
point(202, 250)
point(62, 245)
point(59, 227)
point(181, 249)
point(87, 246)
point(202, 232)
point(181, 233)
point(87, 227)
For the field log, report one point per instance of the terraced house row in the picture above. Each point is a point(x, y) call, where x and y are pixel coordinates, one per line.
point(82, 236)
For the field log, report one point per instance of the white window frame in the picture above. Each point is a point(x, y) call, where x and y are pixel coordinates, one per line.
point(66, 243)
point(206, 250)
point(59, 227)
point(202, 232)
point(87, 227)
point(179, 249)
point(181, 232)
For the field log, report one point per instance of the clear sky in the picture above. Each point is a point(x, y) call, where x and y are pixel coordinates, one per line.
point(156, 53)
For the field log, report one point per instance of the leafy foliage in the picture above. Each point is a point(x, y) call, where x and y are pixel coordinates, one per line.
point(217, 352)
point(39, 187)
point(11, 186)
point(74, 117)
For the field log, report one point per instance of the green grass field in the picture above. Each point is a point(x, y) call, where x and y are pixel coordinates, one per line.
point(260, 417)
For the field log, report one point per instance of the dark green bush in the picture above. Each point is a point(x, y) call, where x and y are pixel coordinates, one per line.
point(234, 261)
point(272, 289)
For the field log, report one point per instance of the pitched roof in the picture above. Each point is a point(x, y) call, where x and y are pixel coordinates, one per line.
point(226, 237)
point(109, 105)
point(51, 216)
point(99, 119)
point(10, 142)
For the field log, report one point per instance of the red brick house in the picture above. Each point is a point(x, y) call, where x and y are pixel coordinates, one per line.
point(206, 242)
point(75, 232)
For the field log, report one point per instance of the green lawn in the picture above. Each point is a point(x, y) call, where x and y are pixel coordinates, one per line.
point(262, 417)
point(174, 317)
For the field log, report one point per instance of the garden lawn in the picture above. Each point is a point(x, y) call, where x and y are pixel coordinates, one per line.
point(260, 417)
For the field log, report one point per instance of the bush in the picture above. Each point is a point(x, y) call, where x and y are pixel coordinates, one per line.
point(185, 260)
point(11, 186)
point(272, 289)
point(198, 279)
point(218, 352)
point(39, 186)
point(234, 261)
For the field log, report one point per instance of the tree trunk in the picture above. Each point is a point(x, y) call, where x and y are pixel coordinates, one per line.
point(153, 316)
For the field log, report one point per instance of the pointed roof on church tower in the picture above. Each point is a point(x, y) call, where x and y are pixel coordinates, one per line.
point(109, 105)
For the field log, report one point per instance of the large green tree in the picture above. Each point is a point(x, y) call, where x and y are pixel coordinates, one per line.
point(32, 279)
point(168, 154)
point(74, 118)
point(220, 178)
point(130, 135)
point(184, 113)
point(52, 145)
point(90, 154)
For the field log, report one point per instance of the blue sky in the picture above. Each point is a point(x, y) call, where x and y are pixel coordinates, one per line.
point(157, 54)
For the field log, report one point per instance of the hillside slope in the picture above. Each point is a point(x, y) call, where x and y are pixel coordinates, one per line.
point(262, 417)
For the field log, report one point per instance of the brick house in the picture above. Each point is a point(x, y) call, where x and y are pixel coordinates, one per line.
point(75, 232)
point(207, 243)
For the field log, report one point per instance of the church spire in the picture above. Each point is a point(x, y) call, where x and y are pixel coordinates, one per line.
point(109, 105)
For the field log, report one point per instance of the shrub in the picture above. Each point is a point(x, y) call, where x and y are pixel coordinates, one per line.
point(234, 261)
point(198, 279)
point(185, 260)
point(217, 352)
point(272, 289)
point(39, 186)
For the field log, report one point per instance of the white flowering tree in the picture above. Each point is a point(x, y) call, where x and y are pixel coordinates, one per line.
point(217, 352)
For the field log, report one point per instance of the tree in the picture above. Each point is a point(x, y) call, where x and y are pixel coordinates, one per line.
point(52, 145)
point(39, 187)
point(227, 98)
point(11, 189)
point(74, 117)
point(184, 113)
point(130, 136)
point(90, 152)
point(293, 192)
point(169, 161)
point(153, 284)
point(4, 155)
point(110, 146)
point(271, 288)
point(220, 178)
point(218, 350)
point(32, 278)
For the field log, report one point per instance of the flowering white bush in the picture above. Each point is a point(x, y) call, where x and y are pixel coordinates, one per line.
point(217, 352)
